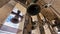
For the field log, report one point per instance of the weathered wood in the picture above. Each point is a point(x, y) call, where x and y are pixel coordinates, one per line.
point(47, 12)
point(3, 2)
point(5, 10)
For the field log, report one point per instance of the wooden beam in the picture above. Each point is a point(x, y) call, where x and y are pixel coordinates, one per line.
point(5, 10)
point(3, 2)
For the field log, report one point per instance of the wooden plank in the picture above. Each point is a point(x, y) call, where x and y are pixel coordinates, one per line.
point(36, 30)
point(5, 10)
point(21, 8)
point(3, 2)
point(23, 11)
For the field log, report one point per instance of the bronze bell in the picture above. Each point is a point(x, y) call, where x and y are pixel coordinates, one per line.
point(33, 9)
